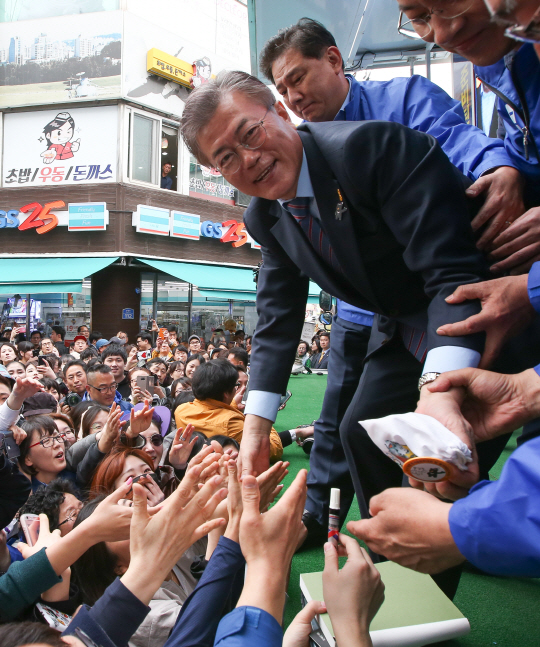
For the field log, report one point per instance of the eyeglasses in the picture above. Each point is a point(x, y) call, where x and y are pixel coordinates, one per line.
point(48, 441)
point(420, 28)
point(526, 34)
point(105, 389)
point(254, 137)
point(71, 517)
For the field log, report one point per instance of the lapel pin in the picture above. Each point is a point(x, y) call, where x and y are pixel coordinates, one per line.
point(340, 207)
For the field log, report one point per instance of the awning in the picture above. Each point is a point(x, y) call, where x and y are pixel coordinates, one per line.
point(48, 275)
point(218, 281)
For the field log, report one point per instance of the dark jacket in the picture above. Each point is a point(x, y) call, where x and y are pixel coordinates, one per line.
point(405, 240)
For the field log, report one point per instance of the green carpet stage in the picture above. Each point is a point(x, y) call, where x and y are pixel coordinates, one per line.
point(503, 612)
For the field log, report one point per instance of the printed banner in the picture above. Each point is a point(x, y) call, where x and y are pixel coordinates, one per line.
point(185, 225)
point(50, 147)
point(88, 216)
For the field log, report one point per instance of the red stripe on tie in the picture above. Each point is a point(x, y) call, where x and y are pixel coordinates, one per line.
point(320, 242)
point(424, 355)
point(419, 343)
point(411, 339)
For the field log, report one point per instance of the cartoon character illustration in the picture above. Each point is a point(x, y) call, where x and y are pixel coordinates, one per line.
point(399, 453)
point(58, 134)
point(202, 71)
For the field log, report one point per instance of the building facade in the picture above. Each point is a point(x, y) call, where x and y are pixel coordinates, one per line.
point(107, 220)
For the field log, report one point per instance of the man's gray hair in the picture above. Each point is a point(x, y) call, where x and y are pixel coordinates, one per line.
point(202, 104)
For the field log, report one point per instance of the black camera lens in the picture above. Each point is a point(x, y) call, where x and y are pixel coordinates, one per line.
point(72, 399)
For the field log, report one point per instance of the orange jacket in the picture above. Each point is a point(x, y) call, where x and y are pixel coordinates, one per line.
point(215, 418)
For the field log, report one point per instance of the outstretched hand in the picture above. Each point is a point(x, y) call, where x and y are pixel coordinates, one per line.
point(182, 446)
point(161, 539)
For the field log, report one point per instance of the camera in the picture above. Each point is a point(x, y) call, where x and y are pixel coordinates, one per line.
point(8, 446)
point(72, 399)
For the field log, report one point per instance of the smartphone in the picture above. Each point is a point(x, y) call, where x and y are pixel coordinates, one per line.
point(148, 475)
point(285, 398)
point(149, 324)
point(30, 526)
point(161, 333)
point(54, 618)
point(11, 447)
point(42, 361)
point(146, 383)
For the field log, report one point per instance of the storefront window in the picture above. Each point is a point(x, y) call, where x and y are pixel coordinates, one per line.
point(69, 310)
point(205, 182)
point(173, 308)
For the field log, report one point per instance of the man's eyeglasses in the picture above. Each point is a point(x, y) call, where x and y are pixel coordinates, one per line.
point(229, 162)
point(105, 389)
point(48, 441)
point(420, 28)
point(526, 34)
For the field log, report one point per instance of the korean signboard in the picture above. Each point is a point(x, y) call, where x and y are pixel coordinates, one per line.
point(52, 148)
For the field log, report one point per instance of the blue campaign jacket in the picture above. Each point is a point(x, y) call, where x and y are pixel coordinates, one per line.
point(421, 105)
point(497, 526)
point(516, 81)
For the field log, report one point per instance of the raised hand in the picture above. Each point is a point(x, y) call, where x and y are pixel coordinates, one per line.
point(353, 595)
point(163, 538)
point(139, 421)
point(182, 446)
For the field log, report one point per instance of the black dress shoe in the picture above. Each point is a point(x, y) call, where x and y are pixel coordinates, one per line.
point(317, 535)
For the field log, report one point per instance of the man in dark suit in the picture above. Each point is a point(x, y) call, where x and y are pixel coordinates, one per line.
point(377, 216)
point(320, 360)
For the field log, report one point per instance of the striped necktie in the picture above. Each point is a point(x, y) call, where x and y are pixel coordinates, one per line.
point(415, 341)
point(299, 208)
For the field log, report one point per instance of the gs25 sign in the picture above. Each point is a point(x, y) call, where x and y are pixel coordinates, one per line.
point(38, 218)
point(229, 231)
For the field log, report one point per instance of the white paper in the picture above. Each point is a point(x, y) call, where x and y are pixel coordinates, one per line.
point(422, 435)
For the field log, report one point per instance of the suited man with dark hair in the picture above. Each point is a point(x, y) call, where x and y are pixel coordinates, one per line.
point(376, 215)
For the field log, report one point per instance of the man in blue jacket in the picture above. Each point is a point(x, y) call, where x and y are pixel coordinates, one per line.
point(511, 70)
point(307, 68)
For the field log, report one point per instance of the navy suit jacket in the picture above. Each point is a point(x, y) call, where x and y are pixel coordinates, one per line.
point(405, 241)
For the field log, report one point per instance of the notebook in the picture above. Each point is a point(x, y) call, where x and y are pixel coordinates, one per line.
point(415, 611)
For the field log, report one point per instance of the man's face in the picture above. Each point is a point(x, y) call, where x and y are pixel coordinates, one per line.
point(519, 13)
point(102, 388)
point(117, 366)
point(160, 370)
point(76, 379)
point(46, 346)
point(172, 337)
point(35, 338)
point(325, 342)
point(472, 34)
point(314, 89)
point(194, 345)
point(123, 336)
point(166, 169)
point(270, 171)
point(84, 331)
point(235, 361)
point(143, 344)
point(55, 337)
point(80, 345)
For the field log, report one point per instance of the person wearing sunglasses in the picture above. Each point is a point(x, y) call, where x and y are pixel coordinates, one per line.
point(43, 452)
point(485, 32)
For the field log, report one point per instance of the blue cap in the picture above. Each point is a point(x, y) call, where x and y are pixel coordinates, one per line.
point(102, 342)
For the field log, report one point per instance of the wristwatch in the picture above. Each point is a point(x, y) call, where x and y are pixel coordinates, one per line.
point(426, 379)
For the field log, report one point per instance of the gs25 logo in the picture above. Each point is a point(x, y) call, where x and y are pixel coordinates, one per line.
point(229, 231)
point(39, 217)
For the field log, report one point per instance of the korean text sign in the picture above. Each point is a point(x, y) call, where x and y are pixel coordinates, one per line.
point(58, 147)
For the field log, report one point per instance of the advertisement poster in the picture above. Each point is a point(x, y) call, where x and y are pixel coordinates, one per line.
point(62, 58)
point(56, 148)
point(211, 35)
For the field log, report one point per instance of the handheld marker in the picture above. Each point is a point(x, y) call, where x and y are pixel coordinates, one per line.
point(333, 516)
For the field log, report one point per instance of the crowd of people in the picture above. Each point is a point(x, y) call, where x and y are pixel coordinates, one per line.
point(151, 469)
